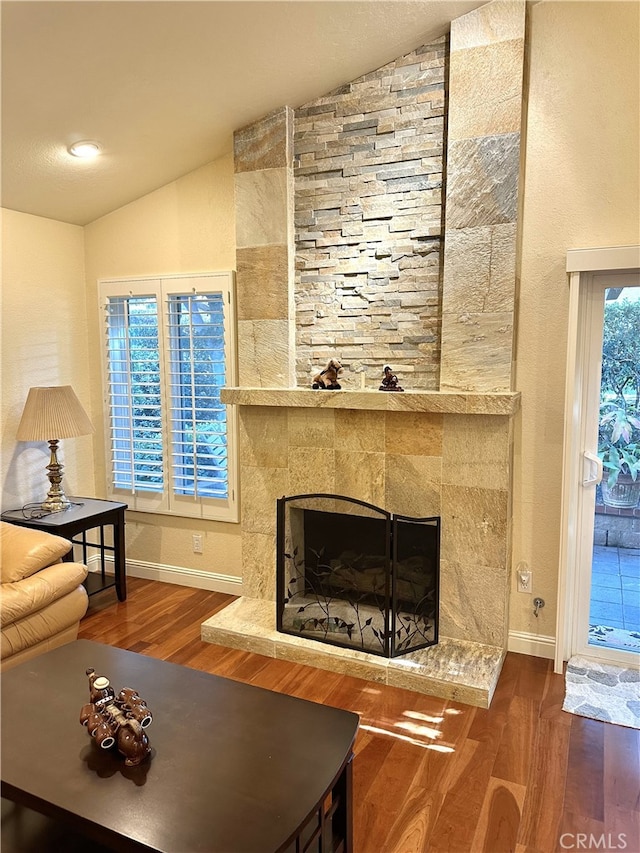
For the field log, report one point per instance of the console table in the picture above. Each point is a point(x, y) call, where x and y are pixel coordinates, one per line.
point(234, 768)
point(83, 515)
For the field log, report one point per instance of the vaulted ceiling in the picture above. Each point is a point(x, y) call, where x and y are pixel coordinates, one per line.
point(163, 85)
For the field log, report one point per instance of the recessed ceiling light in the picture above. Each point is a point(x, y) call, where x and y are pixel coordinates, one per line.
point(84, 149)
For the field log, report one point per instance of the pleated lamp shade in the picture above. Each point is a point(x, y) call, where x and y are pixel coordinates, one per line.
point(53, 413)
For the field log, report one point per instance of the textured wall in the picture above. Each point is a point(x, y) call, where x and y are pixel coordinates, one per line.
point(368, 220)
point(368, 199)
point(263, 160)
point(483, 166)
point(582, 189)
point(411, 463)
point(186, 226)
point(44, 342)
point(366, 289)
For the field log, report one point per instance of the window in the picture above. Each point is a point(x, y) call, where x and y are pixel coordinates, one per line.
point(169, 349)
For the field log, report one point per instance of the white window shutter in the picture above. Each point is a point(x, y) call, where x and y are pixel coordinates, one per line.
point(170, 348)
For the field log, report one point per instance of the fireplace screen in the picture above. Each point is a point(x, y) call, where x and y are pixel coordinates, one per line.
point(351, 574)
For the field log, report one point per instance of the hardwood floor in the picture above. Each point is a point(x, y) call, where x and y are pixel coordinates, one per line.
point(429, 774)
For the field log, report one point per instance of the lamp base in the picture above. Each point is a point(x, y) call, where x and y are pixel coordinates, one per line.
point(56, 500)
point(55, 503)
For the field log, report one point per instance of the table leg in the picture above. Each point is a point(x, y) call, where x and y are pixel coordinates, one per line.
point(343, 815)
point(119, 557)
point(102, 562)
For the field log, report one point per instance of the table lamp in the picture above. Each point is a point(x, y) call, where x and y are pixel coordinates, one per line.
point(53, 411)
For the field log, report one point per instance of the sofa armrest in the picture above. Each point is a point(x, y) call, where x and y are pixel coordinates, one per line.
point(37, 591)
point(25, 551)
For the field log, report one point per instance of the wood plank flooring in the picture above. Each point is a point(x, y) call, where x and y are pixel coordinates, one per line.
point(429, 774)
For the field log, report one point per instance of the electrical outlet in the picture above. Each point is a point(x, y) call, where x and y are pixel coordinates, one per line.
point(524, 580)
point(196, 541)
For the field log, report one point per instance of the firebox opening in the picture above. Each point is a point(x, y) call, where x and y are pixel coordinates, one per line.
point(351, 574)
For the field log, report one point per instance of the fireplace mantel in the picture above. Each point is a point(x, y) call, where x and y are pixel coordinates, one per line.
point(454, 402)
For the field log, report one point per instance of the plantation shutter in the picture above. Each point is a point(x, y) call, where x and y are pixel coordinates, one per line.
point(199, 453)
point(170, 349)
point(136, 445)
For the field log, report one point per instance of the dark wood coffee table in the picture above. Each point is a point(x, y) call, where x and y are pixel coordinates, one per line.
point(235, 768)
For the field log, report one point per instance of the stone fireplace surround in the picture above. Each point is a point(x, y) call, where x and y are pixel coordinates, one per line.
point(421, 454)
point(445, 452)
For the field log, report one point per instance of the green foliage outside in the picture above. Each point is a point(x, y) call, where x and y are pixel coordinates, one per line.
point(619, 427)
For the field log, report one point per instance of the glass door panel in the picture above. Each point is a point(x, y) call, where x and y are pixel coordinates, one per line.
point(614, 608)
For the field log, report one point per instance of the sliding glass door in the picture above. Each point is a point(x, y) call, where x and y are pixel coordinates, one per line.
point(607, 616)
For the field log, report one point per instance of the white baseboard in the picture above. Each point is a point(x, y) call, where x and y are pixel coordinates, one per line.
point(531, 644)
point(519, 641)
point(213, 581)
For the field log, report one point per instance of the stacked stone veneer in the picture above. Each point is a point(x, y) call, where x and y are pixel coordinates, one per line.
point(368, 222)
point(373, 297)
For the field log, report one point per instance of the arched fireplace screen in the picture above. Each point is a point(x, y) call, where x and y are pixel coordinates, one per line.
point(351, 574)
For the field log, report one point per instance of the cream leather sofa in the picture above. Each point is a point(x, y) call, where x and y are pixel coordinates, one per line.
point(42, 599)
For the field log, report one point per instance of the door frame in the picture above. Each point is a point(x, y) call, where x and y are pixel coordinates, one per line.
point(582, 265)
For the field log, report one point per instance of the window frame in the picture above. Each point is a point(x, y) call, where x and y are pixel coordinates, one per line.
point(168, 502)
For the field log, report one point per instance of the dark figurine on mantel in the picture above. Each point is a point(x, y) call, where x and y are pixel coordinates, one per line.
point(390, 381)
point(327, 379)
point(118, 721)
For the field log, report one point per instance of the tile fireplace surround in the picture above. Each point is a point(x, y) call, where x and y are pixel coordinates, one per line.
point(445, 452)
point(416, 454)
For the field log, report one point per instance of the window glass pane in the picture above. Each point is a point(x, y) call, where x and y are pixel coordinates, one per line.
point(134, 390)
point(197, 373)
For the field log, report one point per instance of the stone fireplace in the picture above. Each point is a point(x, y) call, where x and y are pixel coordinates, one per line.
point(444, 446)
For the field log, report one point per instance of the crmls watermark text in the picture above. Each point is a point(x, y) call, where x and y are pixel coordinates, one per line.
point(589, 841)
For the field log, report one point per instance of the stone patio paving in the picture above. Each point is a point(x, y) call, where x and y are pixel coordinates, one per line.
point(615, 588)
